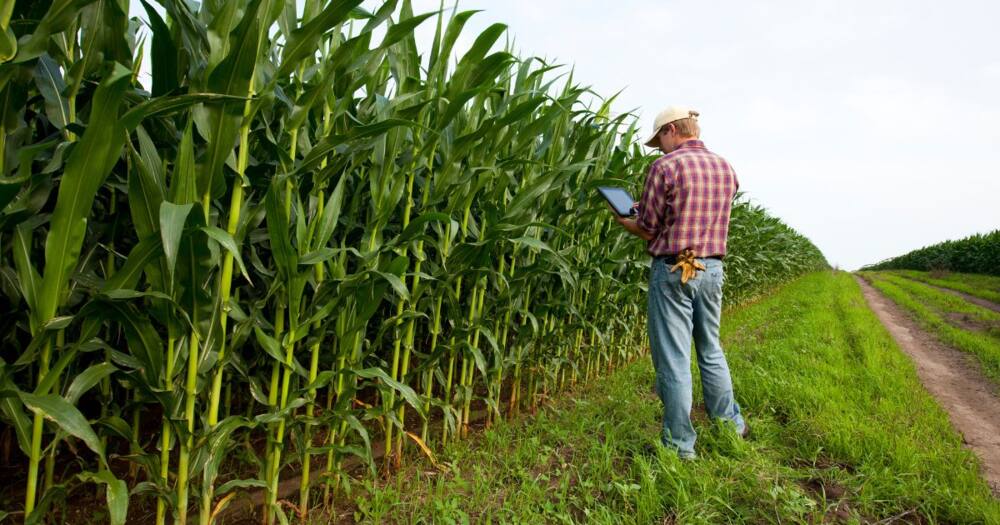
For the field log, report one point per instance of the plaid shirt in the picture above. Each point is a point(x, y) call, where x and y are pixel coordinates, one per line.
point(686, 201)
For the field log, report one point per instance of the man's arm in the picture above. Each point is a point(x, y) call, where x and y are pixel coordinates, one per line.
point(631, 226)
point(646, 212)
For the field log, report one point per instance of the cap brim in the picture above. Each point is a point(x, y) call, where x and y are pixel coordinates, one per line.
point(651, 141)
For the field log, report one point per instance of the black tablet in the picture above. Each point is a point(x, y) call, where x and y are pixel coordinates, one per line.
point(619, 199)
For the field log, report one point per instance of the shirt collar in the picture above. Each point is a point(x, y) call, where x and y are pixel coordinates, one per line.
point(693, 143)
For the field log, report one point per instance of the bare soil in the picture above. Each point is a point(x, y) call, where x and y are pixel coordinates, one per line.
point(972, 324)
point(953, 378)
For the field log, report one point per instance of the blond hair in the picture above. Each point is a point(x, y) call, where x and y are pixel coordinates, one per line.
point(685, 127)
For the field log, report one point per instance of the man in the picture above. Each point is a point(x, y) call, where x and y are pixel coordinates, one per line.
point(683, 214)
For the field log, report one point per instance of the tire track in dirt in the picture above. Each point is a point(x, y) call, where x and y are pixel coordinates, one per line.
point(953, 378)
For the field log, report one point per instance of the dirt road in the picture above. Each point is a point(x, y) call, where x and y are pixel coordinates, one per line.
point(953, 378)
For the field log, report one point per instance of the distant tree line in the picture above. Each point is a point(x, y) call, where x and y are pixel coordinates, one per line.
point(978, 253)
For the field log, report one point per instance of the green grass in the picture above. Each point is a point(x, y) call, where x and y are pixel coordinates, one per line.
point(842, 430)
point(982, 286)
point(956, 322)
point(948, 303)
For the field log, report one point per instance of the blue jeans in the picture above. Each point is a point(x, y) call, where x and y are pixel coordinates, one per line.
point(676, 313)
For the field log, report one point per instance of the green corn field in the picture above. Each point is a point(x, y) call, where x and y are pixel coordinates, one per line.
point(979, 253)
point(306, 245)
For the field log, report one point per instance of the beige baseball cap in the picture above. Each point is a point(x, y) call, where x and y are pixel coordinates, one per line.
point(667, 116)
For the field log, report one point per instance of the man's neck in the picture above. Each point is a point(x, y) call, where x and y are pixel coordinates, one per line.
point(680, 142)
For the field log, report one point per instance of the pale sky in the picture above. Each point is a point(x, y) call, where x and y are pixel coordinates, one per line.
point(872, 127)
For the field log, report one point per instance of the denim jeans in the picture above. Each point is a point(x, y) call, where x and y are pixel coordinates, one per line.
point(676, 313)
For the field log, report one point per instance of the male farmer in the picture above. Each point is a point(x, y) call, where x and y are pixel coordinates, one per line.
point(683, 214)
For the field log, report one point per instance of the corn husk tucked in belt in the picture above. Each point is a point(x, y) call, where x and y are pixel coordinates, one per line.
point(688, 265)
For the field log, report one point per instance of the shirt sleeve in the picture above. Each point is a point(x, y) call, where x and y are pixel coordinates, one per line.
point(651, 203)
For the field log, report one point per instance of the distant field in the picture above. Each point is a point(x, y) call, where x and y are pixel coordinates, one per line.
point(978, 254)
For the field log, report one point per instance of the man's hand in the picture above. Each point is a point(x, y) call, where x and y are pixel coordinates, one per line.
point(630, 225)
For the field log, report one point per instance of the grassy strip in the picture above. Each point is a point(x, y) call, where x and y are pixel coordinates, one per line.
point(842, 430)
point(929, 305)
point(982, 286)
point(945, 303)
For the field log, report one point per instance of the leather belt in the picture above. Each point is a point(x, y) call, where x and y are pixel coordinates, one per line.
point(671, 258)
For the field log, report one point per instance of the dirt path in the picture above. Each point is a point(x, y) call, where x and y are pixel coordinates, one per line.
point(953, 378)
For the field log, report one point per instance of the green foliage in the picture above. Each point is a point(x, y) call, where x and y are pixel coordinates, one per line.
point(979, 253)
point(983, 286)
point(764, 252)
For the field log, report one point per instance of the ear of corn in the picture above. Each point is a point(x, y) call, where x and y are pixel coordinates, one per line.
point(356, 241)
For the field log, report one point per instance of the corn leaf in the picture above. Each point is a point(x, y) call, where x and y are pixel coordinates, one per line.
point(66, 416)
point(86, 169)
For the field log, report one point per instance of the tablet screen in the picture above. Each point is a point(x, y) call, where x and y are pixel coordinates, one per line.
point(619, 199)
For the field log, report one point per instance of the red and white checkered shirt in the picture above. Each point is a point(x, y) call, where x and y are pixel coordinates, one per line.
point(686, 201)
